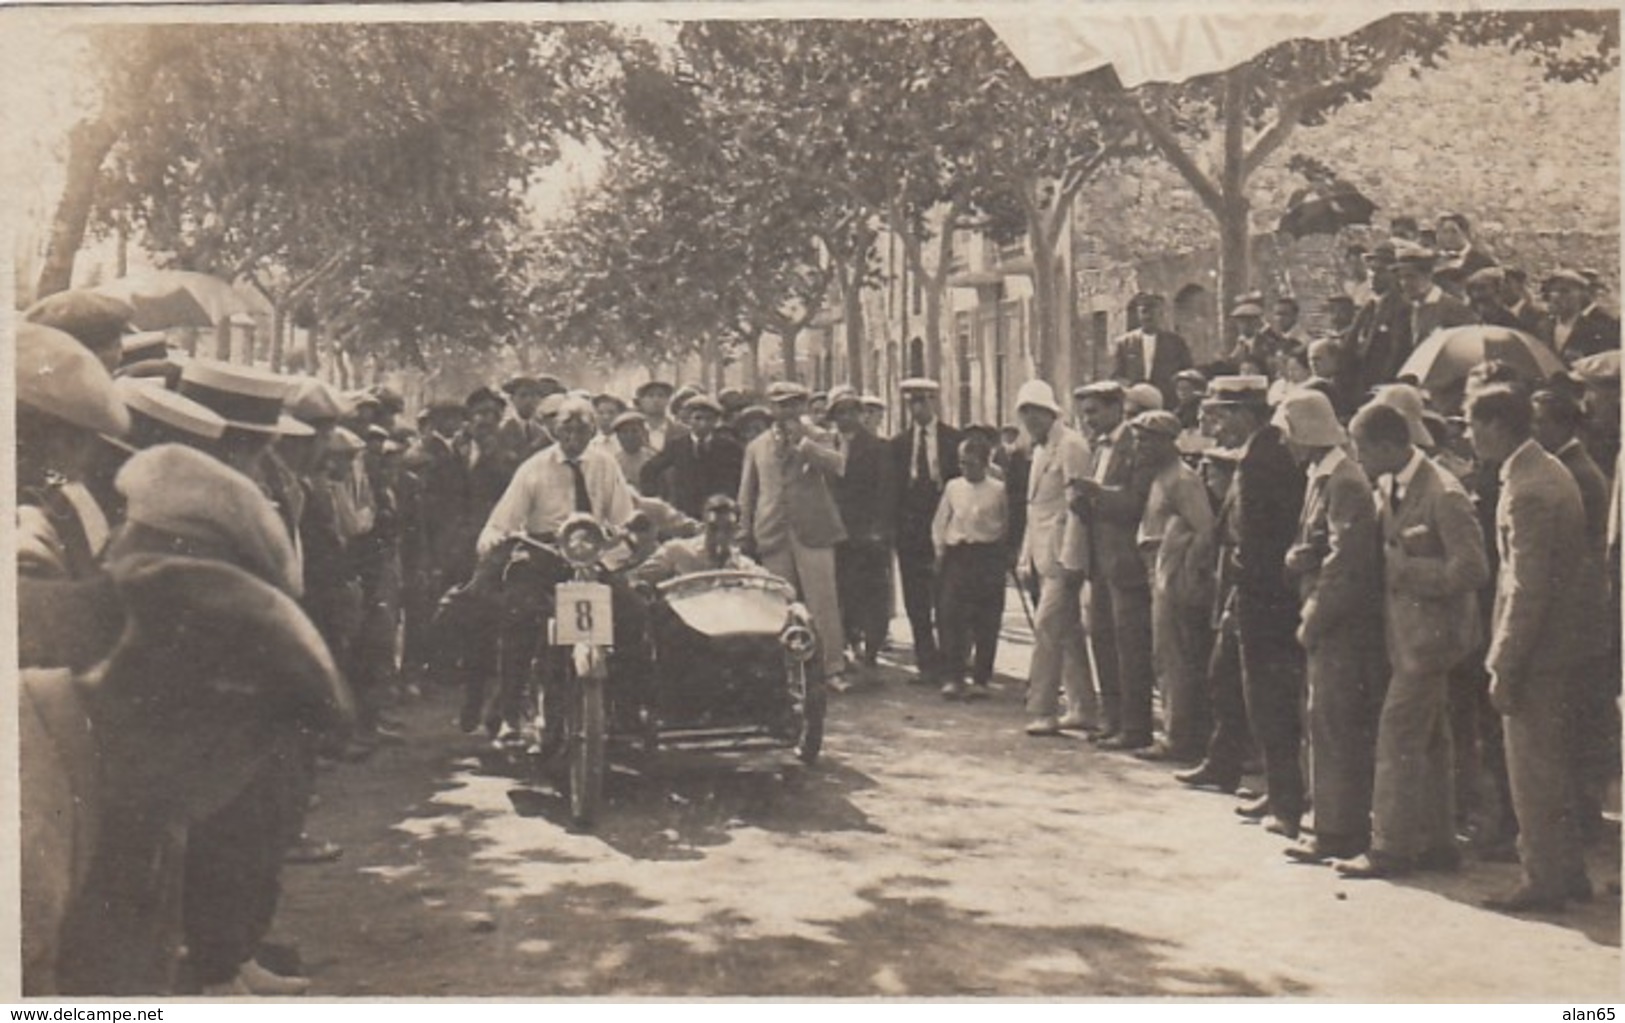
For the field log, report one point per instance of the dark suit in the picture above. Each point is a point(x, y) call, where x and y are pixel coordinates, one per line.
point(1594, 331)
point(1119, 590)
point(1382, 332)
point(1169, 355)
point(1268, 502)
point(866, 502)
point(916, 505)
point(691, 475)
point(1437, 312)
point(448, 533)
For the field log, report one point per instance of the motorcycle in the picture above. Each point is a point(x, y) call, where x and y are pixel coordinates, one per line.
point(721, 661)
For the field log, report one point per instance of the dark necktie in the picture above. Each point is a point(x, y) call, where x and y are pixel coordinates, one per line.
point(922, 460)
point(1394, 497)
point(583, 499)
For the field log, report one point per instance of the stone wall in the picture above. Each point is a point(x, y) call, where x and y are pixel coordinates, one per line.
point(1533, 164)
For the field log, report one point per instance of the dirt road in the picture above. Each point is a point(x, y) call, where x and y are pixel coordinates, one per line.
point(935, 851)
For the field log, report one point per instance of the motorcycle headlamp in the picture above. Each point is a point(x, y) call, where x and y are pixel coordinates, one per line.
point(799, 641)
point(581, 545)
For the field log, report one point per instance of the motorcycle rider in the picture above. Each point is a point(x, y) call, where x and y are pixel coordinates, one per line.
point(572, 476)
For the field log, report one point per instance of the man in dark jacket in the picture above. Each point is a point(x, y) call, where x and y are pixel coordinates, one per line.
point(1268, 496)
point(1382, 329)
point(1150, 353)
point(865, 499)
point(1577, 326)
point(695, 465)
point(924, 458)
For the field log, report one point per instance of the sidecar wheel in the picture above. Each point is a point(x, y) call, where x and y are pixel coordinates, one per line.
point(814, 698)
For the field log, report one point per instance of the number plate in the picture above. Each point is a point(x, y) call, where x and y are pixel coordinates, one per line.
point(584, 615)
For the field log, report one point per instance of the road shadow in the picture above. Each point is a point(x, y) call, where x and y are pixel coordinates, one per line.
point(675, 806)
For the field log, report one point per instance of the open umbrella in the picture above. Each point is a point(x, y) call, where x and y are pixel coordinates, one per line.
point(1324, 209)
point(1448, 355)
point(175, 298)
point(1602, 368)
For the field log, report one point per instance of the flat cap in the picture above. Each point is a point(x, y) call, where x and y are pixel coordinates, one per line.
point(785, 390)
point(1192, 376)
point(627, 419)
point(59, 376)
point(1157, 421)
point(314, 401)
point(551, 404)
point(651, 386)
point(750, 412)
point(703, 401)
point(1409, 255)
point(874, 401)
point(93, 319)
point(1145, 396)
point(186, 493)
point(1247, 309)
point(1566, 277)
point(1110, 390)
point(1238, 390)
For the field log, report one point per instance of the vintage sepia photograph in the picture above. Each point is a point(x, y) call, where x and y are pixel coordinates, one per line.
point(896, 502)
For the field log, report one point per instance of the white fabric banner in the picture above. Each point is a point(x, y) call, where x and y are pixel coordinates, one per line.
point(1169, 47)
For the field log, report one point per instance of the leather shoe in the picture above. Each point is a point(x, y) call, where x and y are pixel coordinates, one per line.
point(1044, 726)
point(1206, 777)
point(1525, 900)
point(1105, 735)
point(953, 690)
point(1126, 743)
point(1162, 753)
point(1257, 810)
point(980, 691)
point(1077, 723)
point(1282, 826)
point(1373, 865)
point(1319, 850)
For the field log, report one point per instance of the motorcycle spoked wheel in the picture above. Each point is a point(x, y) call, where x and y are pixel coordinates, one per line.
point(586, 749)
point(809, 697)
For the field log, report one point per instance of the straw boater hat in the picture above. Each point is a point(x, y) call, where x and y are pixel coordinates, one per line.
point(1307, 418)
point(247, 399)
point(874, 401)
point(919, 385)
point(161, 416)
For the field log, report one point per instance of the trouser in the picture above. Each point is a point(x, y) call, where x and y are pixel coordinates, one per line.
point(1592, 740)
point(972, 609)
point(1231, 738)
point(1181, 642)
point(1342, 713)
point(1060, 658)
point(1120, 634)
point(863, 584)
point(1272, 682)
point(1467, 683)
point(234, 863)
point(374, 655)
point(811, 570)
point(1413, 794)
point(1543, 786)
point(918, 572)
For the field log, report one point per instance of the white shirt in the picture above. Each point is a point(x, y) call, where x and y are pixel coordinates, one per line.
point(1148, 349)
point(542, 496)
point(969, 513)
point(657, 434)
point(1394, 485)
point(1106, 444)
point(930, 431)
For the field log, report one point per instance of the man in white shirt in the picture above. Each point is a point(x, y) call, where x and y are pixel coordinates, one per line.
point(653, 398)
point(969, 533)
point(714, 549)
point(551, 485)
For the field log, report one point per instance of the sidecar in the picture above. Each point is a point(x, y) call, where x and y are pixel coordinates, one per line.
point(735, 667)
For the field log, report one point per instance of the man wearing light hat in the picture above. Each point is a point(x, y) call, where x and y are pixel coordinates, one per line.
point(788, 515)
point(874, 413)
point(925, 456)
point(1175, 538)
point(1335, 563)
point(1257, 522)
point(1055, 550)
point(697, 464)
point(631, 450)
point(1252, 342)
point(65, 399)
point(1150, 353)
point(251, 403)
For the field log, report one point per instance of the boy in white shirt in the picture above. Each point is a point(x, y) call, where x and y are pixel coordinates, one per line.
point(969, 533)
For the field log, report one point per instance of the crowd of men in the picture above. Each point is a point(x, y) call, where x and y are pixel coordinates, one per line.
point(1292, 549)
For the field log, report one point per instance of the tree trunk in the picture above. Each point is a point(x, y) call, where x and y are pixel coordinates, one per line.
point(1046, 300)
point(279, 324)
point(222, 339)
point(89, 142)
point(753, 363)
point(852, 315)
point(1234, 273)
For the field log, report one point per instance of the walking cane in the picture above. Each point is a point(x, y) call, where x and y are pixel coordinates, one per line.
point(1021, 591)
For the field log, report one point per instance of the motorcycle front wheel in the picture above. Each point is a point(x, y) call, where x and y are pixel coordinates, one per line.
point(587, 751)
